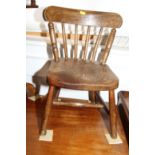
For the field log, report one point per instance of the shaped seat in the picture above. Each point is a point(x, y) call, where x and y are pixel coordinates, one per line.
point(81, 75)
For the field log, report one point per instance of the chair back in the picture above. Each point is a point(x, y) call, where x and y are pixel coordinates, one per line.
point(90, 29)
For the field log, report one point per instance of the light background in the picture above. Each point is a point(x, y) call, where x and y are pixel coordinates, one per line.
point(12, 82)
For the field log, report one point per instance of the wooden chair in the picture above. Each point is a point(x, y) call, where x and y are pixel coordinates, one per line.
point(85, 71)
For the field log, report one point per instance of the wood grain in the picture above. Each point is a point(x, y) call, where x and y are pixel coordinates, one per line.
point(80, 75)
point(53, 41)
point(64, 41)
point(76, 103)
point(87, 73)
point(47, 109)
point(82, 17)
point(113, 114)
point(77, 131)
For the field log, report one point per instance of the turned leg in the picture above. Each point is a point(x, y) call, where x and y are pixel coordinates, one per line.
point(113, 114)
point(47, 109)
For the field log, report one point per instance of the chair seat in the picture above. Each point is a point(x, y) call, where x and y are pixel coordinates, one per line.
point(81, 75)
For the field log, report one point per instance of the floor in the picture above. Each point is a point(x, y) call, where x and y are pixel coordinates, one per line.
point(77, 131)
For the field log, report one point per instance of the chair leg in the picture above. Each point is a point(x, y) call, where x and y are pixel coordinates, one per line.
point(47, 109)
point(113, 114)
point(92, 96)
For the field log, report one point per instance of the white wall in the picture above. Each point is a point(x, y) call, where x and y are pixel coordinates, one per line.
point(35, 20)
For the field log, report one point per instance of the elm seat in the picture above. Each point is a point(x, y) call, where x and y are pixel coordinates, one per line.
point(81, 75)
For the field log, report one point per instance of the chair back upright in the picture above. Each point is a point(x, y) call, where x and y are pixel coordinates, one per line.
point(94, 27)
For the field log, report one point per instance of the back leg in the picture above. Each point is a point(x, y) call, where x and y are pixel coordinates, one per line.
point(113, 114)
point(92, 96)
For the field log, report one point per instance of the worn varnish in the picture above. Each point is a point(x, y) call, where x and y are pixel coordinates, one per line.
point(81, 75)
point(88, 72)
point(83, 17)
point(77, 131)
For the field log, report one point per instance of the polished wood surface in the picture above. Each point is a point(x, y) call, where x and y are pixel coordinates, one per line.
point(86, 43)
point(94, 50)
point(77, 131)
point(78, 71)
point(108, 46)
point(83, 17)
point(40, 77)
point(53, 41)
point(76, 103)
point(74, 17)
point(81, 75)
point(64, 41)
point(92, 96)
point(48, 107)
point(113, 114)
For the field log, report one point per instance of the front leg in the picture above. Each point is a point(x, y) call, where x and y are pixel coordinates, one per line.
point(47, 109)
